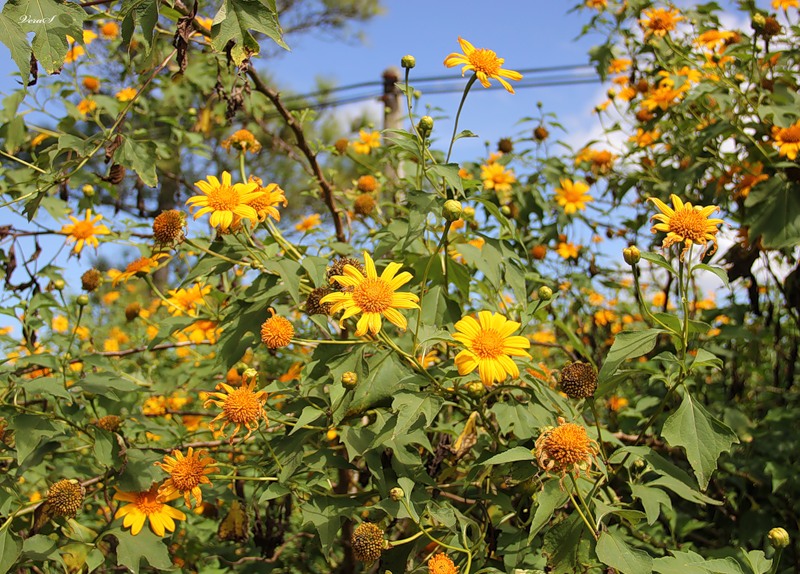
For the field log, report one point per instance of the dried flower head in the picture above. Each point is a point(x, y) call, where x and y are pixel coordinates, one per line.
point(313, 305)
point(337, 268)
point(565, 448)
point(65, 497)
point(168, 227)
point(367, 184)
point(579, 380)
point(91, 280)
point(364, 204)
point(132, 311)
point(367, 542)
point(111, 423)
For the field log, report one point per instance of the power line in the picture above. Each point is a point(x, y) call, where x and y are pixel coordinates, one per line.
point(426, 79)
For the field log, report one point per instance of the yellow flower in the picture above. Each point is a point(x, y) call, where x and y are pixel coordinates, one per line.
point(568, 250)
point(240, 407)
point(265, 203)
point(441, 564)
point(84, 231)
point(367, 141)
point(187, 300)
point(276, 331)
point(372, 296)
point(308, 223)
point(645, 138)
point(686, 223)
point(565, 448)
point(146, 506)
point(787, 140)
point(572, 196)
point(597, 4)
point(619, 65)
point(91, 84)
point(660, 21)
point(126, 94)
point(664, 96)
point(490, 347)
point(751, 177)
point(714, 39)
point(225, 201)
point(60, 324)
point(89, 37)
point(495, 176)
point(187, 473)
point(616, 403)
point(485, 63)
point(243, 140)
point(73, 54)
point(109, 30)
point(142, 266)
point(785, 4)
point(87, 106)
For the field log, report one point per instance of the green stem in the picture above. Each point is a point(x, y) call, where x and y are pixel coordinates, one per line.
point(424, 282)
point(599, 433)
point(240, 477)
point(578, 507)
point(213, 253)
point(458, 115)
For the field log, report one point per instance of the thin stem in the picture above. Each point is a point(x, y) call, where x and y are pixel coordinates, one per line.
point(458, 115)
point(578, 507)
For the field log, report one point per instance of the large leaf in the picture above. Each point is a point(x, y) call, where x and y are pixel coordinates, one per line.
point(131, 549)
point(411, 406)
point(236, 18)
point(141, 13)
point(568, 547)
point(10, 547)
point(628, 345)
point(51, 22)
point(702, 436)
point(515, 454)
point(692, 563)
point(13, 36)
point(613, 551)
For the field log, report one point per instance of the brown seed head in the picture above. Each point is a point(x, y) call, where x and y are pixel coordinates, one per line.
point(505, 145)
point(367, 184)
point(110, 423)
point(579, 380)
point(540, 134)
point(337, 268)
point(367, 542)
point(91, 280)
point(364, 204)
point(168, 227)
point(65, 497)
point(313, 305)
point(132, 311)
point(341, 145)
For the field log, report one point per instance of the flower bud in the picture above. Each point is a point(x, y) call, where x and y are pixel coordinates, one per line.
point(425, 125)
point(397, 493)
point(88, 190)
point(631, 255)
point(452, 210)
point(408, 61)
point(778, 538)
point(82, 300)
point(758, 22)
point(545, 293)
point(59, 284)
point(469, 212)
point(475, 389)
point(349, 380)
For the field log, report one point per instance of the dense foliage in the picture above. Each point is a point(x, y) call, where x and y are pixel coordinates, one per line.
point(297, 350)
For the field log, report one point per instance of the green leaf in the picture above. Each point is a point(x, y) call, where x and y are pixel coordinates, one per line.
point(628, 345)
point(13, 36)
point(659, 260)
point(449, 172)
point(613, 551)
point(568, 546)
point(652, 500)
point(692, 563)
point(131, 549)
point(514, 454)
point(411, 406)
point(141, 158)
point(718, 271)
point(29, 430)
point(774, 213)
point(51, 21)
point(547, 501)
point(143, 13)
point(757, 561)
point(234, 21)
point(702, 436)
point(308, 416)
point(10, 548)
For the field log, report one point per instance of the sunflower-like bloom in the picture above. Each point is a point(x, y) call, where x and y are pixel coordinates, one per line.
point(787, 140)
point(265, 204)
point(372, 296)
point(187, 473)
point(187, 300)
point(84, 231)
point(367, 141)
point(142, 266)
point(147, 506)
point(489, 347)
point(485, 63)
point(242, 406)
point(572, 196)
point(565, 448)
point(243, 140)
point(495, 176)
point(660, 21)
point(686, 223)
point(441, 564)
point(225, 201)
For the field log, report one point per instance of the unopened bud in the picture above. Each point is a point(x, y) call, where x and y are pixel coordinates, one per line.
point(778, 538)
point(250, 373)
point(397, 493)
point(475, 389)
point(59, 284)
point(631, 255)
point(88, 190)
point(425, 125)
point(349, 380)
point(469, 212)
point(82, 300)
point(758, 22)
point(408, 61)
point(452, 210)
point(545, 293)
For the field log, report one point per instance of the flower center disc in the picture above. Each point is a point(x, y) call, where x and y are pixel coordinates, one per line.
point(241, 407)
point(373, 295)
point(485, 61)
point(83, 229)
point(790, 135)
point(187, 473)
point(689, 224)
point(488, 344)
point(223, 198)
point(148, 504)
